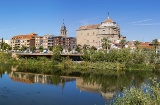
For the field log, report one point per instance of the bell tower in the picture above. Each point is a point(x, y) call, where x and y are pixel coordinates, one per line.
point(63, 31)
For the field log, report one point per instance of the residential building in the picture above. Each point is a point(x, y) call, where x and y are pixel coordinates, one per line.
point(47, 41)
point(7, 41)
point(38, 41)
point(92, 35)
point(27, 40)
point(63, 40)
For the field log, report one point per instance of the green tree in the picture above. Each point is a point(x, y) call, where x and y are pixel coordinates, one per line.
point(78, 48)
point(85, 46)
point(41, 48)
point(50, 48)
point(23, 48)
point(122, 43)
point(106, 44)
point(136, 43)
point(6, 47)
point(15, 48)
point(155, 44)
point(57, 53)
point(32, 49)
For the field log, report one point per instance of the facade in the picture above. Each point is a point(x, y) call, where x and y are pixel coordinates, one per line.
point(65, 42)
point(92, 35)
point(47, 41)
point(7, 41)
point(33, 40)
point(38, 41)
point(23, 40)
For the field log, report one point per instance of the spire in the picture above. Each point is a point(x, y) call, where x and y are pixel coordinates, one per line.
point(108, 15)
point(63, 30)
point(63, 23)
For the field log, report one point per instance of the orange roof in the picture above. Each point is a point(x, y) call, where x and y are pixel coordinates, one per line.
point(108, 20)
point(89, 27)
point(27, 36)
point(145, 45)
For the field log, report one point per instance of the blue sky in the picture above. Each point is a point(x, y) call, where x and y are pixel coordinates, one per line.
point(138, 19)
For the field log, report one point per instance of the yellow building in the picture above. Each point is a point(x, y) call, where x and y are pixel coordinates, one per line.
point(92, 35)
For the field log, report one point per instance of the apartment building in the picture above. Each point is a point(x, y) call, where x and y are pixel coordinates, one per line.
point(47, 41)
point(65, 42)
point(27, 40)
point(38, 41)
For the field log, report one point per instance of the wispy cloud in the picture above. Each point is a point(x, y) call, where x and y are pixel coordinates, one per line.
point(141, 21)
point(150, 24)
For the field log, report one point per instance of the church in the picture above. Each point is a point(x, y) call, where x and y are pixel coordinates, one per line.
point(92, 35)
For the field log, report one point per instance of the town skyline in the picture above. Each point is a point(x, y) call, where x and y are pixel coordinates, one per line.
point(138, 20)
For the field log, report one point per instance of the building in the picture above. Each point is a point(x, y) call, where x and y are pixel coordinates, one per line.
point(92, 35)
point(47, 41)
point(27, 40)
point(38, 41)
point(7, 41)
point(63, 40)
point(63, 31)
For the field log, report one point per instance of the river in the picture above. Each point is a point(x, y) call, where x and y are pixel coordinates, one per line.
point(20, 88)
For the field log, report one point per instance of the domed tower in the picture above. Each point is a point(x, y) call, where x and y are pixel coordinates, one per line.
point(63, 31)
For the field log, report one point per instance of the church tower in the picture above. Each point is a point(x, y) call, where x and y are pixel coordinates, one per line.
point(63, 31)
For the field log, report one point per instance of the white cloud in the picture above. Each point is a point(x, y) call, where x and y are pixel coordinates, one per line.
point(149, 24)
point(141, 21)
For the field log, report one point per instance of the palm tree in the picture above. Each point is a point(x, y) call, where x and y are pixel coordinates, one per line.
point(106, 44)
point(78, 48)
point(85, 46)
point(122, 43)
point(136, 43)
point(155, 44)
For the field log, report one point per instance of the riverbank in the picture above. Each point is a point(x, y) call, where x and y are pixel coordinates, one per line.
point(115, 62)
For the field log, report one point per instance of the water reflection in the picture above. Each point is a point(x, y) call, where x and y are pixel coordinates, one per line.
point(88, 89)
point(106, 86)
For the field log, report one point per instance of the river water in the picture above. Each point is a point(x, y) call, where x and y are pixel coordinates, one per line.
point(19, 88)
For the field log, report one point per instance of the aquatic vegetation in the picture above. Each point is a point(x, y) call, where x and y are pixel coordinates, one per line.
point(147, 94)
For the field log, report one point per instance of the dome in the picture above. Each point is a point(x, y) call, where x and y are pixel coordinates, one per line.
point(63, 27)
point(108, 20)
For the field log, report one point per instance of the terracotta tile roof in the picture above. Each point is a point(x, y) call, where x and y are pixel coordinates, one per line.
point(145, 45)
point(27, 36)
point(89, 27)
point(108, 20)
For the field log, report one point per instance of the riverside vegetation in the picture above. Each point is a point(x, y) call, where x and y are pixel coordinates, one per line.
point(93, 61)
point(115, 62)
